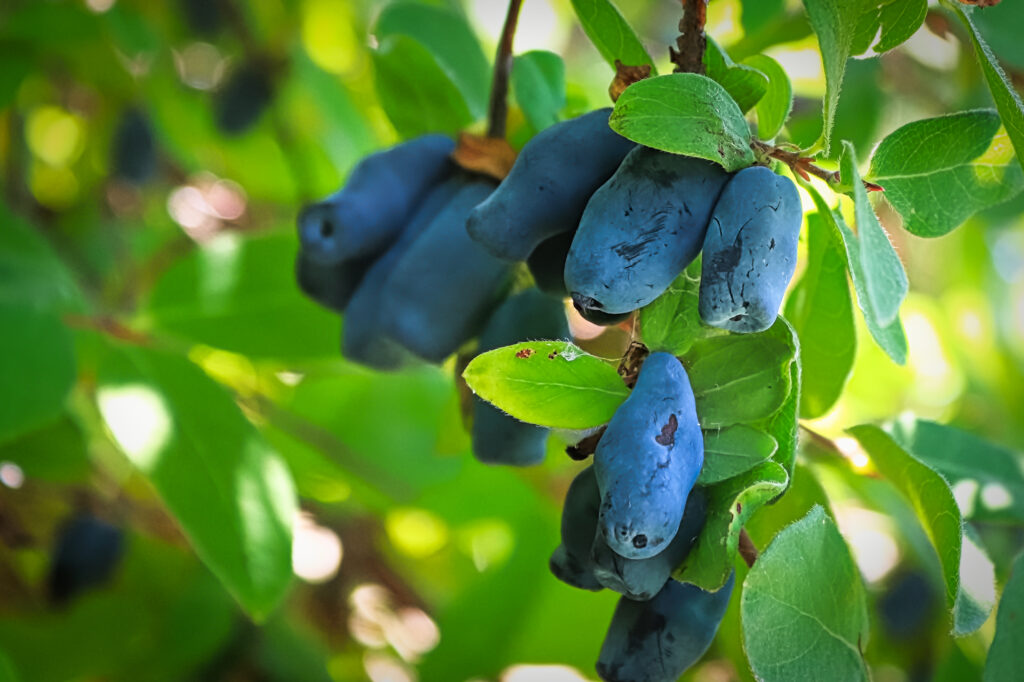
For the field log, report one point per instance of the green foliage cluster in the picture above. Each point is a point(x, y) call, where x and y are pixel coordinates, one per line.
point(162, 374)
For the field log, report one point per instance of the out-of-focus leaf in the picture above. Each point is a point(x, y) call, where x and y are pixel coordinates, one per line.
point(820, 308)
point(56, 452)
point(1004, 661)
point(938, 172)
point(744, 82)
point(803, 606)
point(772, 109)
point(891, 337)
point(967, 572)
point(1008, 102)
point(30, 272)
point(1000, 24)
point(733, 451)
point(449, 39)
point(538, 80)
point(241, 295)
point(550, 383)
point(685, 113)
point(741, 377)
point(998, 490)
point(17, 64)
point(730, 504)
point(899, 21)
point(860, 106)
point(611, 34)
point(416, 93)
point(834, 22)
point(37, 368)
point(232, 494)
point(757, 13)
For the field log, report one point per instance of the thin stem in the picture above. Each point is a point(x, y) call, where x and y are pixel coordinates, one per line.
point(692, 41)
point(803, 166)
point(498, 110)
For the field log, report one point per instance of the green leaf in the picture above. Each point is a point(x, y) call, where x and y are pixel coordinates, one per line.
point(891, 337)
point(730, 504)
point(733, 451)
point(886, 280)
point(550, 383)
point(611, 34)
point(1004, 661)
point(232, 494)
point(834, 22)
point(56, 452)
point(820, 308)
point(30, 271)
point(784, 425)
point(1008, 102)
point(37, 368)
point(450, 40)
point(745, 83)
point(938, 172)
point(1000, 24)
point(671, 322)
point(772, 109)
point(757, 13)
point(803, 606)
point(241, 295)
point(967, 572)
point(741, 377)
point(684, 113)
point(993, 483)
point(900, 20)
point(414, 90)
point(538, 80)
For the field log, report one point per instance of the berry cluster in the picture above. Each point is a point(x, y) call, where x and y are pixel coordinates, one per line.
point(418, 254)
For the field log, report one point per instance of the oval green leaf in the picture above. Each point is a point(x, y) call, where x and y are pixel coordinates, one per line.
point(549, 383)
point(733, 451)
point(685, 113)
point(611, 34)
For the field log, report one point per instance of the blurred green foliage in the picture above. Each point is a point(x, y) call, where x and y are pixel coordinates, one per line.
point(186, 280)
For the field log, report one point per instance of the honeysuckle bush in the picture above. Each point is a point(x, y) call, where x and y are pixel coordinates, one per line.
point(161, 371)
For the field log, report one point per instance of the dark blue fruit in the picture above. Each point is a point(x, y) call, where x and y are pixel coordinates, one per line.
point(648, 460)
point(86, 554)
point(498, 438)
point(641, 579)
point(590, 310)
point(750, 251)
point(364, 338)
point(442, 289)
point(571, 562)
point(640, 229)
point(658, 640)
point(240, 102)
point(549, 185)
point(547, 264)
point(332, 286)
point(380, 196)
point(133, 153)
point(909, 604)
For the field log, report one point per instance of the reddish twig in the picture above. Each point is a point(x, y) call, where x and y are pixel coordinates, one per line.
point(498, 110)
point(804, 165)
point(747, 548)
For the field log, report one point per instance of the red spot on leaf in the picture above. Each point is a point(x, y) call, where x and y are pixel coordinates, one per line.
point(524, 353)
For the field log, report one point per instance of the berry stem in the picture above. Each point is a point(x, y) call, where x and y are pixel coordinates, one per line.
point(803, 166)
point(498, 110)
point(692, 41)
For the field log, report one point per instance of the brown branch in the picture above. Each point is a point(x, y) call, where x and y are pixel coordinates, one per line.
point(747, 548)
point(692, 41)
point(803, 165)
point(498, 110)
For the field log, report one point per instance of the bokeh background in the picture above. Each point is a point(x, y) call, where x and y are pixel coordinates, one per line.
point(154, 154)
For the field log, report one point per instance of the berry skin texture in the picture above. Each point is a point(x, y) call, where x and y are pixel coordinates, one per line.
point(442, 290)
point(641, 579)
point(658, 640)
point(549, 185)
point(364, 338)
point(332, 286)
point(640, 229)
point(380, 196)
point(750, 251)
point(648, 460)
point(86, 553)
point(571, 561)
point(497, 437)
